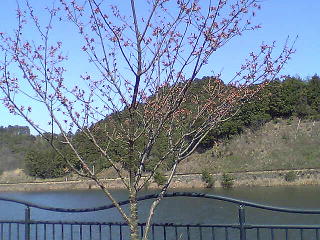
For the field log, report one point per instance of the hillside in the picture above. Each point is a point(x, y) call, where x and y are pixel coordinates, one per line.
point(15, 141)
point(278, 129)
point(279, 144)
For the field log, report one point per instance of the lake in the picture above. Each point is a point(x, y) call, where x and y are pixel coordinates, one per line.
point(178, 210)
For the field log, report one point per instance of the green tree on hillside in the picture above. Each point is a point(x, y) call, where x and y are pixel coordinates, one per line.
point(278, 106)
point(45, 164)
point(313, 94)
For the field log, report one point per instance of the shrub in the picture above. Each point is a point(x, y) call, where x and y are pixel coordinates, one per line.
point(160, 178)
point(207, 178)
point(285, 137)
point(227, 181)
point(290, 176)
point(289, 121)
point(276, 120)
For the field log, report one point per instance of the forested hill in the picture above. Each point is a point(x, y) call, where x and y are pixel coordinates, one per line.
point(293, 98)
point(15, 141)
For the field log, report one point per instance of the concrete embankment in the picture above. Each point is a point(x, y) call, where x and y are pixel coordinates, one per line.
point(263, 178)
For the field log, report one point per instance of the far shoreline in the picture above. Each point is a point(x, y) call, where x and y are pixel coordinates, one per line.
point(181, 181)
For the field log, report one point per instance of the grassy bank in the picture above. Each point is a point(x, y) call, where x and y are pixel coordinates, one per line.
point(278, 145)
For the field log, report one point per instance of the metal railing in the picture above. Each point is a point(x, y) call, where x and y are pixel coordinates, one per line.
point(29, 229)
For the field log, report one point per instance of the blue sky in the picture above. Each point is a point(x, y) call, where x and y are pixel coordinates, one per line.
point(279, 19)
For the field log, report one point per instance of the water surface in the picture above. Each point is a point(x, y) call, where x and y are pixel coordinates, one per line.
point(178, 210)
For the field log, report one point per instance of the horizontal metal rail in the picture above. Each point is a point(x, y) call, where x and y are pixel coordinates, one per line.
point(168, 195)
point(235, 225)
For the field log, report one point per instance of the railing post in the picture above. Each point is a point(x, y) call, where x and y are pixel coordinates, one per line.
point(242, 220)
point(27, 223)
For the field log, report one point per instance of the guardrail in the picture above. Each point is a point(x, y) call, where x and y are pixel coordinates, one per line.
point(30, 229)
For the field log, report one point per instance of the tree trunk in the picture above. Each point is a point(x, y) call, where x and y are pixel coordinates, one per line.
point(134, 230)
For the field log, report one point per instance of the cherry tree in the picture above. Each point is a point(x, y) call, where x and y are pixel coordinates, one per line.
point(144, 58)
